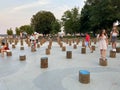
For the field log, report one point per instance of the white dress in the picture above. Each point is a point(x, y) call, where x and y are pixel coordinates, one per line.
point(102, 42)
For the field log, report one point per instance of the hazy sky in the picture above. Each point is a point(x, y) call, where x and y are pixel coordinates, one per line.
point(14, 13)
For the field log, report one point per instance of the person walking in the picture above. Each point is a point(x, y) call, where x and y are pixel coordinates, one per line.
point(87, 42)
point(103, 43)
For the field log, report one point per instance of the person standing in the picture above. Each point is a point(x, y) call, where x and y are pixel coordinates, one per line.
point(113, 37)
point(103, 43)
point(87, 42)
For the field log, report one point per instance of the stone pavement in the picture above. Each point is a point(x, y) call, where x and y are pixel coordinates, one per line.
point(62, 73)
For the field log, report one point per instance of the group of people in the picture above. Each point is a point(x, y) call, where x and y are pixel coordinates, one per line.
point(102, 38)
point(34, 40)
point(3, 48)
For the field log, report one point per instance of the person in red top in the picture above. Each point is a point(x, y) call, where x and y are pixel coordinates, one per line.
point(87, 42)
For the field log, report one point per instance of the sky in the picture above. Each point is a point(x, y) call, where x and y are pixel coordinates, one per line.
point(15, 13)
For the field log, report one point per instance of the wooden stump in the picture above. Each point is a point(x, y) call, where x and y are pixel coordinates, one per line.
point(29, 43)
point(49, 46)
point(38, 45)
point(13, 45)
point(21, 42)
point(63, 48)
point(22, 48)
point(47, 51)
point(112, 54)
point(33, 49)
point(22, 57)
point(84, 76)
point(69, 54)
point(44, 62)
point(93, 48)
point(83, 50)
point(61, 45)
point(9, 53)
point(75, 46)
point(102, 62)
point(118, 49)
point(83, 43)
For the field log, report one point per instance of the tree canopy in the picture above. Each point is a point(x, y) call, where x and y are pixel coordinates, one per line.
point(97, 14)
point(42, 21)
point(70, 20)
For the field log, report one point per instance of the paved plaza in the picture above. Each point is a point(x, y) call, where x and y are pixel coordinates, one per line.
point(62, 73)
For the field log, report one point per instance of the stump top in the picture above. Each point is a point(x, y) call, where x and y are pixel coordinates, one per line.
point(85, 72)
point(44, 58)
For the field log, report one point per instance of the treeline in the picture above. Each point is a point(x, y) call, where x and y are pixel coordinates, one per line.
point(95, 15)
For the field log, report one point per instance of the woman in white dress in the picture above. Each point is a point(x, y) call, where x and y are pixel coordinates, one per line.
point(103, 43)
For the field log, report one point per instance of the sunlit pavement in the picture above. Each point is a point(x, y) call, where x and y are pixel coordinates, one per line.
point(62, 73)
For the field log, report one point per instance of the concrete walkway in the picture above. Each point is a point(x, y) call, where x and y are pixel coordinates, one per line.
point(62, 73)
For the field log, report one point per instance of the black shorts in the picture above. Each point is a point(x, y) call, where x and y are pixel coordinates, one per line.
point(113, 39)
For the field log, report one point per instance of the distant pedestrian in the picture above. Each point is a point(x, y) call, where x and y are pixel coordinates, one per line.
point(113, 36)
point(87, 42)
point(103, 43)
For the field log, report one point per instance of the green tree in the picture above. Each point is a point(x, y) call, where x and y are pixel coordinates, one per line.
point(55, 27)
point(97, 14)
point(42, 22)
point(9, 31)
point(71, 21)
point(26, 28)
point(17, 30)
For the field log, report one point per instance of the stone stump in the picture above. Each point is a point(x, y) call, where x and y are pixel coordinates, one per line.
point(75, 46)
point(63, 48)
point(102, 62)
point(118, 49)
point(84, 76)
point(69, 54)
point(93, 48)
point(22, 48)
point(44, 62)
point(47, 51)
point(13, 45)
point(8, 53)
point(22, 57)
point(83, 50)
point(112, 54)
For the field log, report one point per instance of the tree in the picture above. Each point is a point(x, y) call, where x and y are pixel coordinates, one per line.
point(71, 21)
point(55, 27)
point(10, 31)
point(98, 14)
point(26, 28)
point(42, 22)
point(17, 30)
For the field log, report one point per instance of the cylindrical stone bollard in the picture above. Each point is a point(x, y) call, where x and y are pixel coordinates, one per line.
point(69, 54)
point(83, 50)
point(33, 49)
point(84, 76)
point(63, 48)
point(13, 45)
point(93, 48)
point(9, 53)
point(118, 49)
point(47, 51)
point(22, 57)
point(38, 45)
point(112, 54)
point(44, 62)
point(22, 48)
point(103, 62)
point(75, 46)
